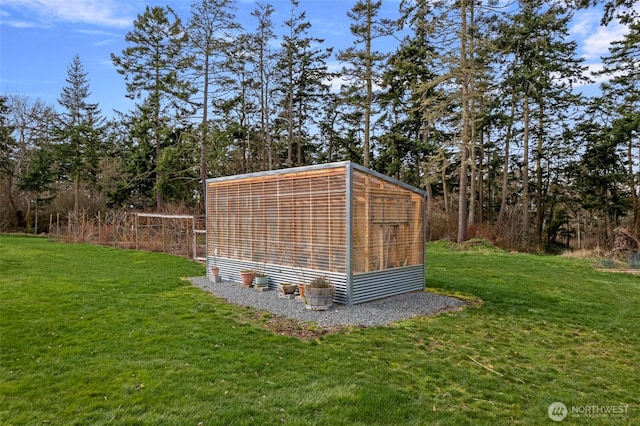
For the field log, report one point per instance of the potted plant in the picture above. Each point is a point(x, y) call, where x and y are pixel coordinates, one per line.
point(318, 294)
point(214, 269)
point(214, 277)
point(247, 277)
point(262, 279)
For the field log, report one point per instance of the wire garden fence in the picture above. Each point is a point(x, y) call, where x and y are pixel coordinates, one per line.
point(178, 234)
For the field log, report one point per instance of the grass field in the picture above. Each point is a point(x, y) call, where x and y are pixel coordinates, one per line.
point(94, 335)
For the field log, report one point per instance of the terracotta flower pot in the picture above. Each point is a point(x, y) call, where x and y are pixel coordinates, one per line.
point(247, 278)
point(214, 275)
point(301, 290)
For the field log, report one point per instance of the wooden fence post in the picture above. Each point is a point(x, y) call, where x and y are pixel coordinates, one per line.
point(136, 225)
point(163, 240)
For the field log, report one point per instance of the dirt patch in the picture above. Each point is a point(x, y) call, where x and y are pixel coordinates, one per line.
point(291, 327)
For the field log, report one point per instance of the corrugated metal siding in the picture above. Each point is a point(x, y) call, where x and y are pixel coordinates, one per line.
point(376, 285)
point(278, 274)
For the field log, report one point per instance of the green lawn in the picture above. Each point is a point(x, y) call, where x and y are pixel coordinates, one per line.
point(95, 335)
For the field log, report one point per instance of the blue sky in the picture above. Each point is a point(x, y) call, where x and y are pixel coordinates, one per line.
point(39, 38)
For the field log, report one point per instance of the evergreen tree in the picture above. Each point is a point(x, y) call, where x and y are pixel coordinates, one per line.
point(264, 71)
point(340, 131)
point(625, 11)
point(621, 98)
point(539, 86)
point(303, 74)
point(212, 32)
point(363, 63)
point(403, 147)
point(80, 131)
point(239, 111)
point(135, 184)
point(154, 66)
point(38, 179)
point(599, 177)
point(457, 71)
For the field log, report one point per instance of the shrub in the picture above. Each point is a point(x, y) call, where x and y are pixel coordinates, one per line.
point(320, 282)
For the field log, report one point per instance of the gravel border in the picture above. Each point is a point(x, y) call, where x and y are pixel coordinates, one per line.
point(378, 312)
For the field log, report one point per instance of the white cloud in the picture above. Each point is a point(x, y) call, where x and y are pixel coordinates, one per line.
point(45, 12)
point(18, 24)
point(597, 44)
point(595, 68)
point(595, 39)
point(583, 23)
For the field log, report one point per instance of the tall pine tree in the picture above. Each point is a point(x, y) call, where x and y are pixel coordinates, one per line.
point(212, 32)
point(363, 63)
point(154, 65)
point(80, 131)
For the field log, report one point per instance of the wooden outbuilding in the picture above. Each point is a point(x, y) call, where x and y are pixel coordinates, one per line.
point(363, 230)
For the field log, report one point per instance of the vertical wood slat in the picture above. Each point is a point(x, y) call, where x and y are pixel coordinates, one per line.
point(252, 236)
point(279, 215)
point(328, 224)
point(367, 223)
point(311, 226)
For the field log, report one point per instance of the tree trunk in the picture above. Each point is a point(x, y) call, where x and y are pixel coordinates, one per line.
point(289, 110)
point(445, 195)
point(505, 169)
point(299, 136)
point(203, 140)
point(76, 193)
point(158, 141)
point(634, 193)
point(472, 125)
point(540, 204)
point(369, 94)
point(525, 173)
point(159, 198)
point(481, 183)
point(464, 148)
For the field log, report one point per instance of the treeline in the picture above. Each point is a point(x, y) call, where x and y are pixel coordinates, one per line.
point(476, 105)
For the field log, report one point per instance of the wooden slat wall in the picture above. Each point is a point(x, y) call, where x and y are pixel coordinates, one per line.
point(296, 219)
point(388, 225)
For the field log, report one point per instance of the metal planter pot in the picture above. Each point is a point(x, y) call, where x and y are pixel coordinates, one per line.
point(261, 281)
